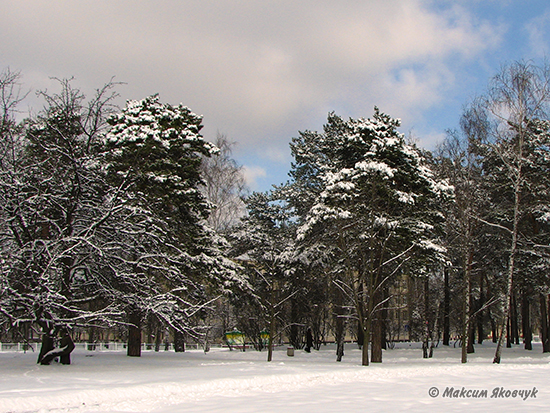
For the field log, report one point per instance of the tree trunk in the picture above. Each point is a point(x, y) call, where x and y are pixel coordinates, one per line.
point(526, 322)
point(376, 342)
point(472, 322)
point(376, 325)
point(466, 305)
point(514, 323)
point(511, 267)
point(66, 347)
point(339, 324)
point(365, 349)
point(384, 318)
point(446, 309)
point(158, 338)
point(544, 324)
point(360, 335)
point(481, 313)
point(295, 336)
point(179, 342)
point(426, 318)
point(494, 333)
point(47, 340)
point(471, 338)
point(134, 333)
point(271, 335)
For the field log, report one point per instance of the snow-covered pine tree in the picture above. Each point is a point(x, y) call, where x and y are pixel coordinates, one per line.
point(377, 207)
point(154, 151)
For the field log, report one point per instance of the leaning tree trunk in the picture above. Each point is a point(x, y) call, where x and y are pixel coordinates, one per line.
point(47, 339)
point(384, 318)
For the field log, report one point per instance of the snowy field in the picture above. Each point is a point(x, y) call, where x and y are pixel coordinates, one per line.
point(224, 381)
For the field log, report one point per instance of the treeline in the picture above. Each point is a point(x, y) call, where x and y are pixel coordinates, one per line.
point(376, 239)
point(120, 218)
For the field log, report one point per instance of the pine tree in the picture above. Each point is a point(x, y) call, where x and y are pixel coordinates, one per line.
point(376, 207)
point(154, 152)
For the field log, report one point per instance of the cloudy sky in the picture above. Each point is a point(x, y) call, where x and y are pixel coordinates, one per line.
point(259, 71)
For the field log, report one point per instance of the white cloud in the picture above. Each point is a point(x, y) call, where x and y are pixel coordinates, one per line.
point(538, 31)
point(251, 174)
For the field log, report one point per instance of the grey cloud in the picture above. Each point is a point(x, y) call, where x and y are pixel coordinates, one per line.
point(257, 70)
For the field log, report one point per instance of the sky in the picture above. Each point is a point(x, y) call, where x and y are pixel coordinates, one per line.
point(260, 71)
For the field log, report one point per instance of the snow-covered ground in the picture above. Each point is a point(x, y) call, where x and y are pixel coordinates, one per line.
point(224, 381)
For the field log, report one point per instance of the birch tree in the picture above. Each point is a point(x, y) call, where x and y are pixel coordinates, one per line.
point(514, 106)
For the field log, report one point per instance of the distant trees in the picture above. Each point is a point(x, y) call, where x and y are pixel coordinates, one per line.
point(224, 186)
point(130, 218)
point(264, 244)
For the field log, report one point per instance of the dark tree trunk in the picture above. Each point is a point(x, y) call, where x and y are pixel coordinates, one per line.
point(309, 340)
point(481, 313)
point(360, 335)
point(67, 346)
point(466, 306)
point(339, 324)
point(134, 333)
point(526, 322)
point(158, 338)
point(361, 311)
point(446, 310)
point(514, 326)
point(376, 342)
point(472, 324)
point(509, 334)
point(295, 336)
point(471, 338)
point(92, 338)
point(179, 342)
point(544, 324)
point(384, 313)
point(47, 340)
point(376, 326)
point(426, 339)
point(494, 332)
